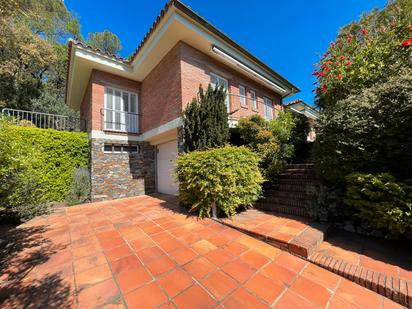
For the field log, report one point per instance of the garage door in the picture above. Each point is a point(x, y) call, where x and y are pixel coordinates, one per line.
point(166, 158)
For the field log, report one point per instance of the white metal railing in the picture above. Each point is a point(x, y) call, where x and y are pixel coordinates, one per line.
point(45, 120)
point(120, 121)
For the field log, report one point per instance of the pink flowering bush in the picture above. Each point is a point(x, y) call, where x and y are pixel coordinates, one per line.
point(365, 52)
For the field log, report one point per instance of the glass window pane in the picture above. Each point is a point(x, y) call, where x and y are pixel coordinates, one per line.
point(109, 98)
point(133, 105)
point(117, 148)
point(117, 100)
point(108, 147)
point(125, 101)
point(117, 122)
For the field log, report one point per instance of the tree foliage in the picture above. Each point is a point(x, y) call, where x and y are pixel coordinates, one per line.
point(106, 41)
point(227, 177)
point(370, 131)
point(270, 139)
point(366, 52)
point(205, 120)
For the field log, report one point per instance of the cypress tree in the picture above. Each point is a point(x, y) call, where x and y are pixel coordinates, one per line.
point(205, 120)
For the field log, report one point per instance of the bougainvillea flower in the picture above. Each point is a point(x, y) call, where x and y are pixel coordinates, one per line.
point(332, 44)
point(407, 42)
point(339, 76)
point(350, 37)
point(342, 57)
point(324, 88)
point(321, 74)
point(348, 63)
point(315, 72)
point(326, 69)
point(337, 63)
point(364, 31)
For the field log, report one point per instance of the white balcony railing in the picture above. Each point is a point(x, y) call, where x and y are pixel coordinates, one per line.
point(119, 121)
point(46, 121)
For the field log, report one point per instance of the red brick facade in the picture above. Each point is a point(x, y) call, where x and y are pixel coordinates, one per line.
point(171, 85)
point(196, 69)
point(161, 94)
point(93, 102)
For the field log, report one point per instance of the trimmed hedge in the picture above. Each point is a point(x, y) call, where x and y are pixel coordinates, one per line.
point(60, 153)
point(228, 177)
point(36, 167)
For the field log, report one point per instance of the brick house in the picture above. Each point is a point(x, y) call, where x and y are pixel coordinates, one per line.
point(133, 106)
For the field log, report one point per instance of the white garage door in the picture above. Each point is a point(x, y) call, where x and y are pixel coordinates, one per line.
point(166, 158)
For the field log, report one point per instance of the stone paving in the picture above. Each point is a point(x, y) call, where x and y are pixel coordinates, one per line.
point(143, 253)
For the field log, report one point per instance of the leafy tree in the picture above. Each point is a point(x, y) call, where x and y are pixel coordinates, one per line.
point(366, 52)
point(205, 120)
point(106, 41)
point(270, 139)
point(368, 132)
point(33, 54)
point(24, 61)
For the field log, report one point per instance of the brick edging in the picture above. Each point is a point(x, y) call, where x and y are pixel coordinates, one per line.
point(398, 290)
point(296, 246)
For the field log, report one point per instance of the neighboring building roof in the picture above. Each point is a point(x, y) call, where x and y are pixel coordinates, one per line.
point(126, 65)
point(299, 106)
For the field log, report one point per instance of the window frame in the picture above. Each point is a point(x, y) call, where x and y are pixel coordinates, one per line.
point(266, 100)
point(218, 77)
point(242, 97)
point(253, 99)
point(126, 117)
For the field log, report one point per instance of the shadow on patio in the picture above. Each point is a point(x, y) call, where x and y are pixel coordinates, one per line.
point(24, 280)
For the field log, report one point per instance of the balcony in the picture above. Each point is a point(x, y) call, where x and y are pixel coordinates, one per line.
point(119, 121)
point(46, 121)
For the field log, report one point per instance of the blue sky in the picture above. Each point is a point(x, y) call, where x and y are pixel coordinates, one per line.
point(288, 35)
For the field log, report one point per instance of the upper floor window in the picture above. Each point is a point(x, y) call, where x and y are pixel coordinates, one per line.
point(242, 95)
point(120, 110)
point(268, 108)
point(218, 81)
point(253, 98)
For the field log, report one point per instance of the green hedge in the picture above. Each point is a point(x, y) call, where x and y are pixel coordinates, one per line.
point(227, 176)
point(381, 201)
point(36, 167)
point(60, 153)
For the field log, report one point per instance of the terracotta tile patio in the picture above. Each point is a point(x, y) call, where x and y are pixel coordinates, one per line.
point(143, 253)
point(296, 235)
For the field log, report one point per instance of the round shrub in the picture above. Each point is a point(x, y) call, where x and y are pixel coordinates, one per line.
point(381, 201)
point(228, 177)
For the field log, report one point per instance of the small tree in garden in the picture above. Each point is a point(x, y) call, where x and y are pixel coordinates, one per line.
point(219, 180)
point(205, 120)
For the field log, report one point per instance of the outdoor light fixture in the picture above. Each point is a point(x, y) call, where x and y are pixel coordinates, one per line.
point(244, 67)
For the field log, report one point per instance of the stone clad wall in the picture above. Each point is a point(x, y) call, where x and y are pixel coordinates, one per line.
point(119, 175)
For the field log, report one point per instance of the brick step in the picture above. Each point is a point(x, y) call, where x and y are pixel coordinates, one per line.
point(299, 171)
point(298, 176)
point(393, 288)
point(300, 165)
point(304, 243)
point(282, 208)
point(304, 182)
point(288, 194)
point(298, 202)
point(293, 188)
